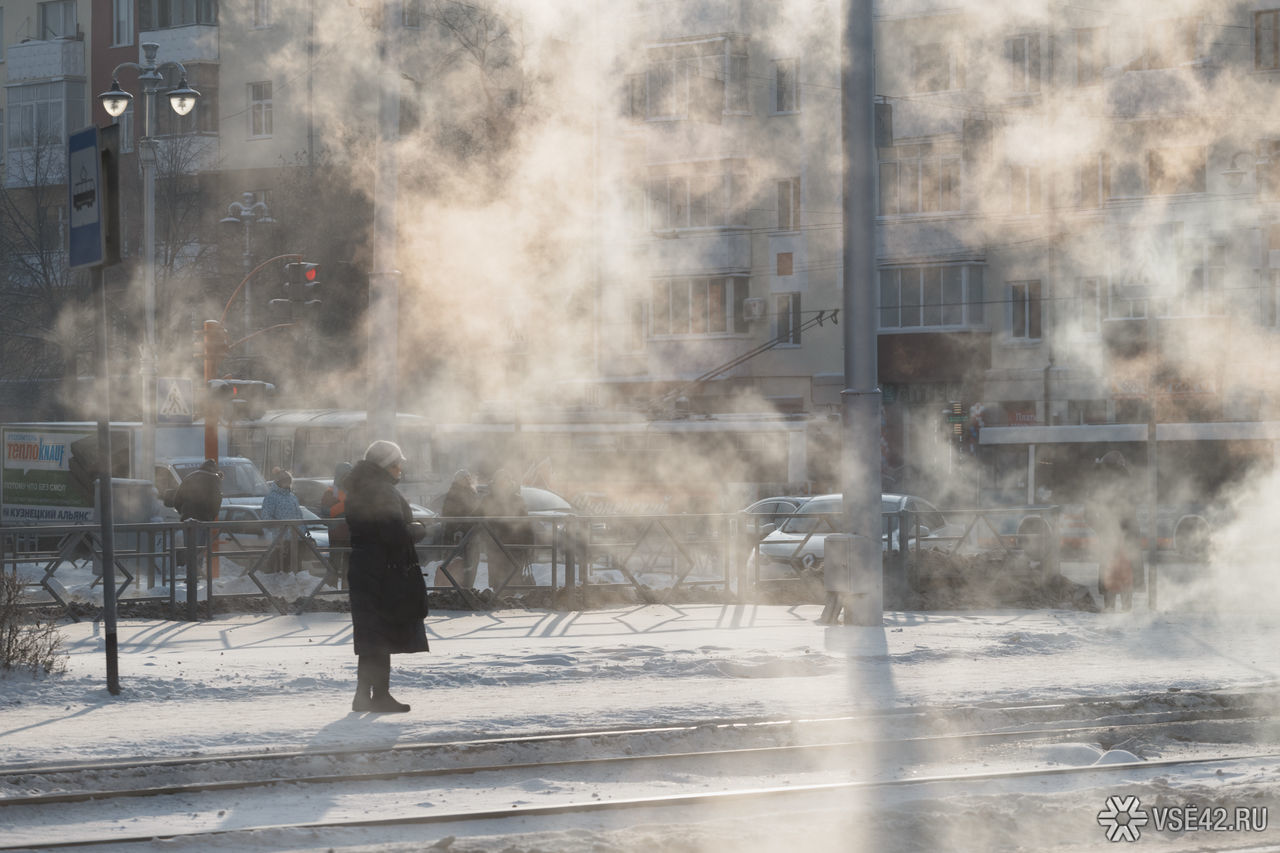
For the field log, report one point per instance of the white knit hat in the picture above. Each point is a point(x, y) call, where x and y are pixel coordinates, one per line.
point(384, 454)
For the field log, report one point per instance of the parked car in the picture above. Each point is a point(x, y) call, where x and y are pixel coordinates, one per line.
point(240, 477)
point(763, 517)
point(248, 533)
point(799, 543)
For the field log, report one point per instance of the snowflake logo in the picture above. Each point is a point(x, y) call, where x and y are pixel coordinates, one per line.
point(1123, 818)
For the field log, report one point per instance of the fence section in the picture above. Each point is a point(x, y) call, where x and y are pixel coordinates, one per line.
point(291, 564)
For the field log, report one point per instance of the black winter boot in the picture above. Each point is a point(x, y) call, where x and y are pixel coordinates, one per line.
point(382, 701)
point(366, 671)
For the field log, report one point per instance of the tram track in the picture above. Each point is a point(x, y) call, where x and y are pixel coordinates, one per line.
point(101, 803)
point(738, 795)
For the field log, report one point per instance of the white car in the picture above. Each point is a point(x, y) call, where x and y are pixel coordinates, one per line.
point(799, 544)
point(247, 533)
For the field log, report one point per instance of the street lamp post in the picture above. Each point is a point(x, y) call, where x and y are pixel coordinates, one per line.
point(115, 101)
point(246, 212)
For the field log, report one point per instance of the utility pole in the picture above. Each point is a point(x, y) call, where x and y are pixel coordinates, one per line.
point(857, 587)
point(384, 280)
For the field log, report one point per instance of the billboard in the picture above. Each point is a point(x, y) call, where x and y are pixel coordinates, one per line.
point(48, 475)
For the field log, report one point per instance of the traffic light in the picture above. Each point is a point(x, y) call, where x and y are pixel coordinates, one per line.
point(216, 344)
point(240, 399)
point(301, 279)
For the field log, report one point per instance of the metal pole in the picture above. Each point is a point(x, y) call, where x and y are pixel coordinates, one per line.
point(1153, 544)
point(147, 151)
point(248, 288)
point(384, 282)
point(105, 520)
point(860, 460)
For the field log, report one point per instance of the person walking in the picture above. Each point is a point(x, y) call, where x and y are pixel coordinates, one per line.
point(199, 498)
point(333, 504)
point(388, 593)
point(462, 501)
point(281, 504)
point(507, 554)
point(1112, 513)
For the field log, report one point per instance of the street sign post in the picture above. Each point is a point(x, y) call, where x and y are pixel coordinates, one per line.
point(85, 191)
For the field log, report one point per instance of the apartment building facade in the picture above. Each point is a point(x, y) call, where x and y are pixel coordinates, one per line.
point(1075, 217)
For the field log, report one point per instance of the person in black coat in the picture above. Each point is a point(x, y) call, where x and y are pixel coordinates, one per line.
point(462, 501)
point(199, 495)
point(388, 593)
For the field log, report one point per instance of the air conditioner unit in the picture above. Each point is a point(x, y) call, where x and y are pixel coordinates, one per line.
point(753, 309)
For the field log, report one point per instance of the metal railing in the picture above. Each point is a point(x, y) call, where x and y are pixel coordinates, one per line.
point(191, 566)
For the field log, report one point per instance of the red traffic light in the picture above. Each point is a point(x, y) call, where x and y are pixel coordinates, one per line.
point(302, 273)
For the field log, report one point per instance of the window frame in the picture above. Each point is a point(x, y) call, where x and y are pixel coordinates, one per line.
point(671, 69)
point(261, 111)
point(66, 8)
point(1026, 310)
point(787, 318)
point(956, 302)
point(121, 20)
point(1273, 48)
point(924, 75)
point(697, 306)
point(1091, 55)
point(932, 178)
point(1031, 65)
point(1090, 313)
point(789, 200)
point(786, 92)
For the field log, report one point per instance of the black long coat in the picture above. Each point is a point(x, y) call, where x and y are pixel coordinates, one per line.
point(388, 594)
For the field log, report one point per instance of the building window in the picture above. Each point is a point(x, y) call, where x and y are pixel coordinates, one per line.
point(1024, 189)
point(634, 108)
point(2, 35)
point(785, 263)
point(164, 14)
point(1024, 306)
point(1089, 304)
point(700, 195)
point(1266, 40)
point(936, 68)
point(260, 119)
point(1204, 274)
point(789, 204)
point(38, 113)
point(412, 15)
point(57, 19)
point(786, 85)
point(698, 306)
point(1023, 55)
point(1172, 171)
point(931, 296)
point(786, 318)
point(700, 79)
point(1172, 42)
point(121, 22)
point(261, 14)
point(913, 179)
point(1093, 186)
point(1091, 55)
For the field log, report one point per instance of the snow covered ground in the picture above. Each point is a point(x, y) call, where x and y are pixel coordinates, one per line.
point(264, 681)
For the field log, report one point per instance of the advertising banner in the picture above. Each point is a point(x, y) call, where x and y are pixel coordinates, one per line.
point(48, 475)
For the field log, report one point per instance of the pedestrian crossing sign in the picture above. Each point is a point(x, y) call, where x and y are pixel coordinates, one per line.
point(174, 403)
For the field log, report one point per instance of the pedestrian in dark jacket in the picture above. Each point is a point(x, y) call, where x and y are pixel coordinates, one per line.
point(388, 594)
point(199, 496)
point(507, 556)
point(462, 501)
point(333, 504)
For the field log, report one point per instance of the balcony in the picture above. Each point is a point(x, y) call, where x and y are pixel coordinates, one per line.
point(45, 60)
